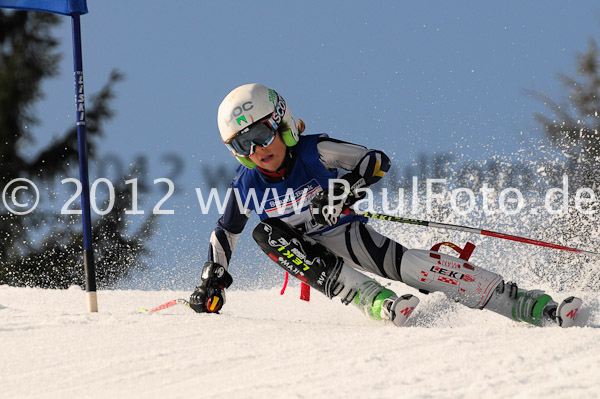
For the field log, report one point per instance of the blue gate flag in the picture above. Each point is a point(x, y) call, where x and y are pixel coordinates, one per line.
point(64, 7)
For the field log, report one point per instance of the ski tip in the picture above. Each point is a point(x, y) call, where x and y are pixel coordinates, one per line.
point(402, 308)
point(143, 310)
point(567, 311)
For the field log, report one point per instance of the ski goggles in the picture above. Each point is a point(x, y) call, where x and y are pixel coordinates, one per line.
point(260, 133)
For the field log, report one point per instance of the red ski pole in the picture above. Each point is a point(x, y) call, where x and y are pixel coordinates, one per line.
point(398, 219)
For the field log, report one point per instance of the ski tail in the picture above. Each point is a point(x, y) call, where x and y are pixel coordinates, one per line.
point(166, 305)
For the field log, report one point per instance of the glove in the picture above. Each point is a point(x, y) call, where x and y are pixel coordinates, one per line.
point(328, 205)
point(209, 296)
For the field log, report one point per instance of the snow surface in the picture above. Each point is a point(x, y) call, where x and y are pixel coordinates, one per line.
point(267, 345)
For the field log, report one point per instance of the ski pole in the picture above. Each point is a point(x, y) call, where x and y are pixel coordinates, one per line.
point(447, 226)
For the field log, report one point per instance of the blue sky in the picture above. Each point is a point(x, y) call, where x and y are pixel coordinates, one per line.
point(408, 78)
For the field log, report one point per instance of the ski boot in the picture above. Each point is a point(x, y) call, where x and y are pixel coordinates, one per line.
point(380, 303)
point(533, 307)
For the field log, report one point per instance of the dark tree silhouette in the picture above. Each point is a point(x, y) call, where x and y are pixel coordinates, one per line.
point(575, 125)
point(574, 128)
point(44, 248)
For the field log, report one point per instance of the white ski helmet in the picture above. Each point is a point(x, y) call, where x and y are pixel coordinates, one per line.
point(251, 103)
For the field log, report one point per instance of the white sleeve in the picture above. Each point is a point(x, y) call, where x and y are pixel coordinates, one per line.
point(361, 162)
point(337, 154)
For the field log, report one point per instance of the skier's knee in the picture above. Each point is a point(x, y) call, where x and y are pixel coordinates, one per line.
point(278, 223)
point(300, 256)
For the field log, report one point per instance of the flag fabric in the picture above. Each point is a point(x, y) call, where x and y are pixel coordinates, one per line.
point(64, 7)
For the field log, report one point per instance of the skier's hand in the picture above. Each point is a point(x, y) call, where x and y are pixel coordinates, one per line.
point(210, 295)
point(328, 205)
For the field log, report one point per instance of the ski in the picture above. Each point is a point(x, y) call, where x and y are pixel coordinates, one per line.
point(402, 308)
point(166, 305)
point(566, 314)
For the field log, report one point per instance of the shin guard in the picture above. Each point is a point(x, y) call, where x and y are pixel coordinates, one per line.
point(304, 259)
point(318, 267)
point(431, 271)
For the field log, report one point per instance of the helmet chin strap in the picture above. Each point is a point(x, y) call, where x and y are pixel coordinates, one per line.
point(278, 173)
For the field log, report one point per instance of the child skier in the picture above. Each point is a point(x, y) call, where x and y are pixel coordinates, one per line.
point(305, 184)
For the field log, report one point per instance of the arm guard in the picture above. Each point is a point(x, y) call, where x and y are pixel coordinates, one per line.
point(362, 163)
point(229, 227)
